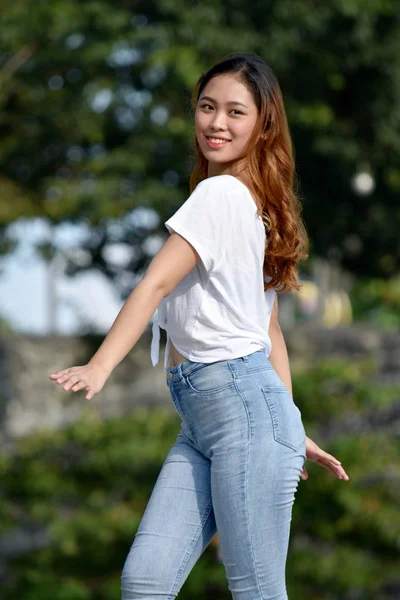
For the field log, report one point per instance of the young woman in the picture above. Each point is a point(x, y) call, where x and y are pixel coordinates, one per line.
point(240, 453)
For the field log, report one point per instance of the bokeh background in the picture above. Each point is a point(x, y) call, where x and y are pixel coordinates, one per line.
point(96, 139)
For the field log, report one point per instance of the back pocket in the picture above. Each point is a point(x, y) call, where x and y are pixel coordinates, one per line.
point(286, 418)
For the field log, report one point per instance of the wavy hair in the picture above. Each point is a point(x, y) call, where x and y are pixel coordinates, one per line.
point(269, 169)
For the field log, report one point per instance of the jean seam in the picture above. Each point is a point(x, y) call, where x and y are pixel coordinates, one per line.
point(275, 424)
point(194, 369)
point(208, 392)
point(190, 549)
point(185, 416)
point(246, 487)
point(192, 462)
point(253, 371)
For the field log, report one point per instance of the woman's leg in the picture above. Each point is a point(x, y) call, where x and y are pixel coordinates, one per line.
point(244, 420)
point(253, 487)
point(177, 526)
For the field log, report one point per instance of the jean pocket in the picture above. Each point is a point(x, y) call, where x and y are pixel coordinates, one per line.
point(210, 379)
point(287, 425)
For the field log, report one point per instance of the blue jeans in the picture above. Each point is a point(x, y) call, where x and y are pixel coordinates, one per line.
point(234, 469)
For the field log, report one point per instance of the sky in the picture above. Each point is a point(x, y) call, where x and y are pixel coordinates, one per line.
point(24, 285)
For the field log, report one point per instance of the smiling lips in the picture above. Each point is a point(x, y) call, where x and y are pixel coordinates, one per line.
point(216, 141)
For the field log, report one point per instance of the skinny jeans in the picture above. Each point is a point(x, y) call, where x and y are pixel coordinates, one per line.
point(233, 470)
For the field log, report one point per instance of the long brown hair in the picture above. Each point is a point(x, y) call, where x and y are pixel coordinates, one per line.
point(269, 171)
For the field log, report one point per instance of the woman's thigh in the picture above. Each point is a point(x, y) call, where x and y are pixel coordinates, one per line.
point(176, 527)
point(253, 489)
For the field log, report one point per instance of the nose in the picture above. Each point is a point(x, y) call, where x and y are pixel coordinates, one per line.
point(218, 121)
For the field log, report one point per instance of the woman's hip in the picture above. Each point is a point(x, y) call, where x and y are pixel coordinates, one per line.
point(234, 402)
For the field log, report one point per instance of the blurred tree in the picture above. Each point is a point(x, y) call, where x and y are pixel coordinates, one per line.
point(378, 301)
point(4, 325)
point(95, 119)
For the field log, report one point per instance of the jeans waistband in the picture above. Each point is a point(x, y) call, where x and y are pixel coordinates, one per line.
point(257, 359)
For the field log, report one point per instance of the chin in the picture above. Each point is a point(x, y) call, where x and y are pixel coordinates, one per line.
point(214, 157)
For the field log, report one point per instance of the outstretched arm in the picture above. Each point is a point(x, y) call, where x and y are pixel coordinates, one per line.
point(172, 263)
point(280, 361)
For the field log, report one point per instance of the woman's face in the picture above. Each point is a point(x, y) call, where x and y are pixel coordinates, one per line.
point(225, 117)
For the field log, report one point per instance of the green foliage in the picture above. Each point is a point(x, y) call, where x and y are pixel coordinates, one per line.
point(346, 535)
point(85, 489)
point(377, 301)
point(95, 118)
point(337, 389)
point(4, 325)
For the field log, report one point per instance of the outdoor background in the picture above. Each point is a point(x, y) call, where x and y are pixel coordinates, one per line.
point(96, 139)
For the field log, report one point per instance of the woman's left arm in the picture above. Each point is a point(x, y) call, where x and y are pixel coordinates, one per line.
point(278, 356)
point(280, 361)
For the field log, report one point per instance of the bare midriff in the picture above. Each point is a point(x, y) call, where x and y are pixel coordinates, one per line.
point(175, 358)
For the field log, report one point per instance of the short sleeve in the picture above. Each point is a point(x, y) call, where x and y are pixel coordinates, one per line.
point(204, 220)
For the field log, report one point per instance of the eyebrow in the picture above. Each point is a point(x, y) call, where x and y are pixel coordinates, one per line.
point(215, 102)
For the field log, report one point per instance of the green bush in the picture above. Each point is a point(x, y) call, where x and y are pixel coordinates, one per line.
point(345, 534)
point(377, 301)
point(86, 488)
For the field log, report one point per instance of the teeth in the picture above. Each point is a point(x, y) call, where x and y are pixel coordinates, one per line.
point(217, 141)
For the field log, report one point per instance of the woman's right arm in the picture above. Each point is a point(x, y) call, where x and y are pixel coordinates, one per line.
point(171, 264)
point(280, 361)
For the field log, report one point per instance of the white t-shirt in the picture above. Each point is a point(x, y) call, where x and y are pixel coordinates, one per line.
point(219, 311)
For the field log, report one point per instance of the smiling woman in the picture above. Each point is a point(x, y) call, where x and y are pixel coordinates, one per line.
point(234, 243)
point(220, 125)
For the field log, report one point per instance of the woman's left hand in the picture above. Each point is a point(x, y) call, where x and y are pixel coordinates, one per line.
point(322, 458)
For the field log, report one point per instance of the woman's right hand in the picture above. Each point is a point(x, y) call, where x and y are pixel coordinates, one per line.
point(90, 377)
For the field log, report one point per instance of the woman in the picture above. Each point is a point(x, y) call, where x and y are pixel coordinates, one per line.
point(240, 453)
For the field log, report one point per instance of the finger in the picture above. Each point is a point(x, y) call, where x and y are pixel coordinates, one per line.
point(340, 474)
point(78, 386)
point(328, 458)
point(332, 459)
point(72, 380)
point(58, 373)
point(343, 474)
point(336, 470)
point(63, 378)
point(89, 395)
point(333, 464)
point(304, 474)
point(327, 464)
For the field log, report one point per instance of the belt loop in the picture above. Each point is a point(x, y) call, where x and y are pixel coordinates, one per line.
point(181, 374)
point(245, 359)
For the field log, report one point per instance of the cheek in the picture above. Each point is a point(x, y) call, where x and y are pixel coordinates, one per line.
point(244, 130)
point(200, 122)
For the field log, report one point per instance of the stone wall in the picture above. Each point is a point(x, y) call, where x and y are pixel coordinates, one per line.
point(29, 401)
point(306, 343)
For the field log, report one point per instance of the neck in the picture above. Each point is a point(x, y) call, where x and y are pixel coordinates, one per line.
point(236, 168)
